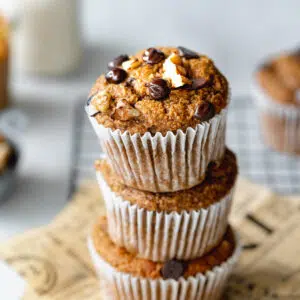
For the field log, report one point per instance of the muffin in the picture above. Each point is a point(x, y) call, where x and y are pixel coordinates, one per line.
point(277, 95)
point(6, 154)
point(4, 51)
point(8, 162)
point(160, 116)
point(126, 276)
point(161, 226)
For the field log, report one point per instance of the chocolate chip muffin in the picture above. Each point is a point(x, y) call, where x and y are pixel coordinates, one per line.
point(277, 95)
point(4, 53)
point(160, 115)
point(161, 226)
point(145, 279)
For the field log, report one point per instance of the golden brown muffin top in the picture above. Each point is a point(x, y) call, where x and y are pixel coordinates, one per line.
point(280, 78)
point(158, 90)
point(217, 184)
point(123, 261)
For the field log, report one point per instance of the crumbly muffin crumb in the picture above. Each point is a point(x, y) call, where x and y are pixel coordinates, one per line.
point(218, 182)
point(126, 87)
point(126, 262)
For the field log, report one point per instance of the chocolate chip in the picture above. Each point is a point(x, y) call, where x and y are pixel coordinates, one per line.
point(173, 269)
point(116, 75)
point(116, 62)
point(153, 56)
point(250, 246)
point(158, 89)
point(186, 53)
point(204, 111)
point(197, 83)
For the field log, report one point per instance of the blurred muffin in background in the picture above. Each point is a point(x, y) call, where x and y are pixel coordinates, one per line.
point(277, 96)
point(4, 56)
point(6, 154)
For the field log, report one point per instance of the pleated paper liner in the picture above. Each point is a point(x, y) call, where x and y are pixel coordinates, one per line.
point(280, 124)
point(158, 163)
point(208, 286)
point(160, 236)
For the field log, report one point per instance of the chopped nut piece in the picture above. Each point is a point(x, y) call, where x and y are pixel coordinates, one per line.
point(101, 101)
point(124, 111)
point(174, 71)
point(131, 64)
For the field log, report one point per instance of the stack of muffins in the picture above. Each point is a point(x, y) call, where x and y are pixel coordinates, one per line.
point(167, 179)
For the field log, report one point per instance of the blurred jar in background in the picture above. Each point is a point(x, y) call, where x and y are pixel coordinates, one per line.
point(47, 37)
point(4, 56)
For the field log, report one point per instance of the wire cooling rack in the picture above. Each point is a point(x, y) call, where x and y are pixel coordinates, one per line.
point(258, 163)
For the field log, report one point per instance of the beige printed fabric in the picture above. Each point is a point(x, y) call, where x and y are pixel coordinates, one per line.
point(55, 261)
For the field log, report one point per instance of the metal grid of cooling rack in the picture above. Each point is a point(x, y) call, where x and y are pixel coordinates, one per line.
point(278, 171)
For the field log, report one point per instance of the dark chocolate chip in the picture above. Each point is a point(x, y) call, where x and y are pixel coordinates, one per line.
point(116, 75)
point(204, 111)
point(250, 246)
point(197, 83)
point(116, 62)
point(158, 89)
point(173, 269)
point(186, 53)
point(153, 56)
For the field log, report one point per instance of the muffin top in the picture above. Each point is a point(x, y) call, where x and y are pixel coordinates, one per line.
point(3, 38)
point(158, 90)
point(280, 78)
point(217, 184)
point(6, 152)
point(120, 259)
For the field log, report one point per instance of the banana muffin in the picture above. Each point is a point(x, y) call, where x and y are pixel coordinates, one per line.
point(159, 226)
point(277, 94)
point(125, 276)
point(161, 116)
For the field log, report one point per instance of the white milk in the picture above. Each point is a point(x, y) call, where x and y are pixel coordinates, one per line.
point(47, 37)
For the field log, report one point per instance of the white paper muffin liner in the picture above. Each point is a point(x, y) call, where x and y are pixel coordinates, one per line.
point(160, 236)
point(119, 285)
point(167, 163)
point(283, 133)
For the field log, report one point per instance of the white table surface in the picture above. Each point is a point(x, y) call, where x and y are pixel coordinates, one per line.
point(235, 33)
